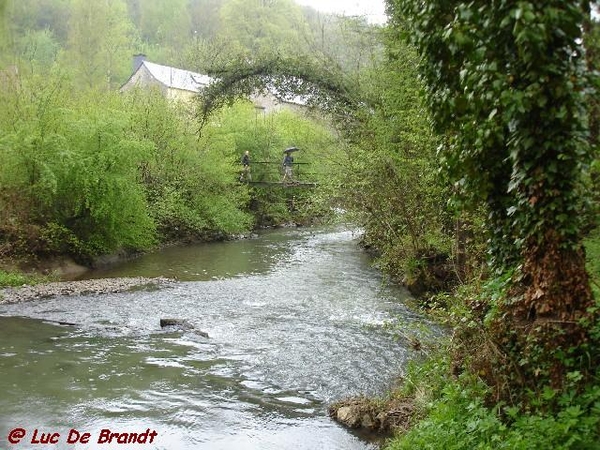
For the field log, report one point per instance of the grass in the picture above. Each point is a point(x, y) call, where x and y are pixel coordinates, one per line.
point(10, 278)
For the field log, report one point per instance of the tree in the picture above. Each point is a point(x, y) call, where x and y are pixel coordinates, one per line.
point(351, 42)
point(508, 88)
point(69, 178)
point(162, 24)
point(38, 47)
point(99, 43)
point(262, 27)
point(3, 34)
point(39, 15)
point(390, 178)
point(205, 17)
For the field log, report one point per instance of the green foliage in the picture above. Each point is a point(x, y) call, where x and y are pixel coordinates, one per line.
point(190, 183)
point(507, 87)
point(87, 176)
point(243, 128)
point(97, 195)
point(39, 48)
point(456, 412)
point(350, 42)
point(321, 86)
point(263, 27)
point(38, 15)
point(460, 420)
point(9, 278)
point(510, 101)
point(175, 32)
point(99, 45)
point(454, 408)
point(390, 179)
point(163, 23)
point(592, 250)
point(70, 171)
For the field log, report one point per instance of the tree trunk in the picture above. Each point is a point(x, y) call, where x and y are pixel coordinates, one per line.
point(545, 321)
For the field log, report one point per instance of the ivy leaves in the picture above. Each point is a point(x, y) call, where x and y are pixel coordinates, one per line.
point(509, 89)
point(507, 86)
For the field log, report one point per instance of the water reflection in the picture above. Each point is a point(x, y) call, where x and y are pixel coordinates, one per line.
point(255, 255)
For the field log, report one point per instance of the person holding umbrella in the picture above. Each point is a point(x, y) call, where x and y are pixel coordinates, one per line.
point(288, 162)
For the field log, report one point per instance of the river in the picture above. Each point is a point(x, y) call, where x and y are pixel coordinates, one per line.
point(294, 319)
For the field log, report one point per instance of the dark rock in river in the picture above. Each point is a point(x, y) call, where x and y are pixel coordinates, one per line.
point(182, 325)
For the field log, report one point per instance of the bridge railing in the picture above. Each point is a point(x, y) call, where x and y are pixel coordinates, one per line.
point(270, 171)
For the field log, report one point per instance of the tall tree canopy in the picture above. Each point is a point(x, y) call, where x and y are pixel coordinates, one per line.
point(100, 41)
point(263, 26)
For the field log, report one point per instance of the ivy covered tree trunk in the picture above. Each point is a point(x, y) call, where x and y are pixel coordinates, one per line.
point(508, 89)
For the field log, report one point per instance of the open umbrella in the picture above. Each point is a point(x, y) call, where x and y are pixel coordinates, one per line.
point(291, 150)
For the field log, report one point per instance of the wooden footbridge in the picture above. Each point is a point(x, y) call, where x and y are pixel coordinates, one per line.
point(268, 174)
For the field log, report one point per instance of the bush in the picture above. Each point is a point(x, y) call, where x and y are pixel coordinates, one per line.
point(460, 419)
point(18, 279)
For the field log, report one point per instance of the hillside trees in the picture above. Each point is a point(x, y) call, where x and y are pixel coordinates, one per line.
point(40, 15)
point(169, 32)
point(163, 27)
point(261, 27)
point(205, 17)
point(99, 45)
point(507, 89)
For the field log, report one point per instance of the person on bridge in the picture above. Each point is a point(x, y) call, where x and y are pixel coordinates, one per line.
point(245, 176)
point(288, 162)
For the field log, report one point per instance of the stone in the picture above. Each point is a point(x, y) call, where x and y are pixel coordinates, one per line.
point(181, 324)
point(349, 416)
point(368, 422)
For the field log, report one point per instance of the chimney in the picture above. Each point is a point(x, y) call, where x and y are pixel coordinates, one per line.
point(137, 61)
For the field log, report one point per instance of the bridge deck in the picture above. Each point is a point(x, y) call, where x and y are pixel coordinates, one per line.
point(290, 184)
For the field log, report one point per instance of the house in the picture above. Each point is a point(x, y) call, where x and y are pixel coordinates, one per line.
point(174, 83)
point(183, 85)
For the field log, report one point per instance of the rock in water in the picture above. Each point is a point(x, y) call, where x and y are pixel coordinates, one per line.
point(181, 324)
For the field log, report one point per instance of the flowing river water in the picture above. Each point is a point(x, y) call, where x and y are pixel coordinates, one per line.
point(295, 321)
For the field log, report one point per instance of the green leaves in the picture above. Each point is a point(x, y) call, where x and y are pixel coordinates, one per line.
point(509, 91)
point(517, 66)
point(86, 174)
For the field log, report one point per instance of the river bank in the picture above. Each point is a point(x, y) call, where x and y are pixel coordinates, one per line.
point(80, 287)
point(35, 269)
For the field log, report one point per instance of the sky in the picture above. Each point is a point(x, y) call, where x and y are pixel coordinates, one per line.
point(374, 10)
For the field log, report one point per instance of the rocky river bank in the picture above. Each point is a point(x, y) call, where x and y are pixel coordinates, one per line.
point(80, 287)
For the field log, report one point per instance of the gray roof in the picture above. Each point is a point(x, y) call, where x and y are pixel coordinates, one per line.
point(186, 80)
point(178, 78)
